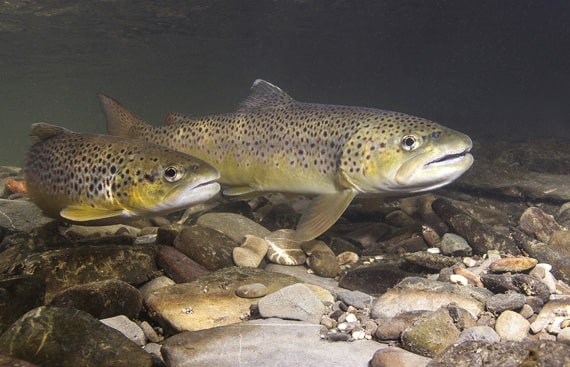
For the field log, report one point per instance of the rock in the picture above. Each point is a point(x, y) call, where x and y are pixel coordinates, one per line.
point(513, 264)
point(67, 267)
point(232, 225)
point(521, 283)
point(392, 328)
point(150, 333)
point(210, 300)
point(265, 342)
point(563, 216)
point(373, 279)
point(564, 336)
point(206, 246)
point(478, 333)
point(253, 290)
point(18, 295)
point(511, 326)
point(6, 361)
point(431, 236)
point(432, 332)
point(481, 237)
point(166, 235)
point(280, 216)
point(502, 302)
point(283, 249)
point(300, 272)
point(294, 302)
point(559, 242)
point(503, 354)
point(322, 259)
point(536, 222)
point(454, 245)
point(178, 266)
point(403, 243)
point(251, 252)
point(414, 293)
point(347, 259)
point(368, 234)
point(103, 299)
point(122, 324)
point(20, 215)
point(549, 312)
point(430, 261)
point(53, 336)
point(398, 218)
point(542, 271)
point(357, 299)
point(397, 357)
point(155, 284)
point(526, 311)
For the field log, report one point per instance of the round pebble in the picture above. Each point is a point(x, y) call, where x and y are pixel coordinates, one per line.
point(251, 252)
point(512, 326)
point(253, 290)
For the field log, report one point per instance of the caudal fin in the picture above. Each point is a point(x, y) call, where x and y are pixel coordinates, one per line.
point(120, 121)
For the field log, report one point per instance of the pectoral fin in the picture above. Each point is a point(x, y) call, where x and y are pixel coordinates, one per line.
point(322, 213)
point(84, 213)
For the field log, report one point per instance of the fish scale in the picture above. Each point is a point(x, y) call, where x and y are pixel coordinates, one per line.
point(274, 143)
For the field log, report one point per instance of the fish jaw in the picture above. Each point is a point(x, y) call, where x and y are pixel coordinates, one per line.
point(187, 197)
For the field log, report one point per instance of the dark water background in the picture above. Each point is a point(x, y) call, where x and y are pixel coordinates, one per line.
point(497, 69)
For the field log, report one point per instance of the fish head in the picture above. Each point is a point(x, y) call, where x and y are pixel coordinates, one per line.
point(404, 155)
point(157, 180)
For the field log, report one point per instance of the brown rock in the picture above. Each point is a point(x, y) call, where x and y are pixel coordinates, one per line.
point(322, 259)
point(206, 246)
point(513, 264)
point(536, 222)
point(397, 357)
point(178, 266)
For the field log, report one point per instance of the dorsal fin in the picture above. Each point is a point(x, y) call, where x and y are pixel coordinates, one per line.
point(120, 121)
point(265, 95)
point(42, 131)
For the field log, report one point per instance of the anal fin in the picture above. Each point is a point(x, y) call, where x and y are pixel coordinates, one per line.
point(322, 213)
point(84, 213)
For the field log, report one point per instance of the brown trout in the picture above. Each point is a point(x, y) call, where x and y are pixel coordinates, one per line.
point(99, 179)
point(274, 143)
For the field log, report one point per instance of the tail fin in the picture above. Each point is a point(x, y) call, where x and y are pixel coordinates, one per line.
point(120, 121)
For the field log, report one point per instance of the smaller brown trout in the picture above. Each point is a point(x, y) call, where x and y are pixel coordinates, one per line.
point(100, 179)
point(274, 143)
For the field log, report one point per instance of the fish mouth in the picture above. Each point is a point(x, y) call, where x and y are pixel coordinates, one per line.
point(450, 158)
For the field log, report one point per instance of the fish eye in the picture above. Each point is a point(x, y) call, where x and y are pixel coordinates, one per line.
point(172, 174)
point(409, 142)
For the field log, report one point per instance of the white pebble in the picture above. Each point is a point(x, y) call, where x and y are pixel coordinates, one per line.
point(458, 279)
point(342, 326)
point(351, 318)
point(358, 334)
point(471, 262)
point(433, 250)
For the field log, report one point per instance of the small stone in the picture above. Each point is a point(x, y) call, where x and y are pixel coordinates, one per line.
point(512, 326)
point(454, 245)
point(294, 302)
point(232, 225)
point(251, 252)
point(559, 242)
point(526, 311)
point(564, 336)
point(328, 322)
point(536, 222)
point(430, 261)
point(549, 312)
point(155, 284)
point(502, 302)
point(128, 328)
point(458, 279)
point(178, 266)
point(322, 259)
point(522, 283)
point(513, 264)
point(358, 334)
point(283, 249)
point(351, 318)
point(397, 357)
point(150, 333)
point(430, 235)
point(357, 299)
point(254, 290)
point(471, 262)
point(479, 333)
point(347, 259)
point(434, 250)
point(542, 272)
point(392, 328)
point(471, 277)
point(206, 246)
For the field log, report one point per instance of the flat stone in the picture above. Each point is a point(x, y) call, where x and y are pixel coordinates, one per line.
point(232, 225)
point(511, 326)
point(103, 299)
point(65, 337)
point(284, 249)
point(18, 295)
point(251, 252)
point(397, 357)
point(535, 222)
point(300, 272)
point(294, 302)
point(210, 300)
point(266, 342)
point(513, 264)
point(479, 333)
point(128, 328)
point(542, 271)
point(178, 266)
point(322, 259)
point(431, 261)
point(356, 299)
point(21, 215)
point(454, 245)
point(502, 302)
point(253, 290)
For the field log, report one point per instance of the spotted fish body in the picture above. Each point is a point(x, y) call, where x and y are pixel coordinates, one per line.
point(274, 143)
point(98, 179)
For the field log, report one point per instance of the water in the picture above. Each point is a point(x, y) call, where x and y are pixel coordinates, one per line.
point(488, 68)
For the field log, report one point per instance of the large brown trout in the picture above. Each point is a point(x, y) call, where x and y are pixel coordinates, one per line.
point(276, 144)
point(96, 179)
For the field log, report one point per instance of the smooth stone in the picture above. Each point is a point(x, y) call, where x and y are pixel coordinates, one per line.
point(503, 302)
point(326, 297)
point(430, 235)
point(559, 242)
point(300, 272)
point(294, 302)
point(103, 299)
point(522, 283)
point(564, 336)
point(210, 300)
point(504, 354)
point(322, 259)
point(251, 253)
point(408, 242)
point(284, 249)
point(513, 264)
point(374, 279)
point(150, 333)
point(549, 312)
point(347, 259)
point(397, 357)
point(479, 333)
point(511, 326)
point(18, 295)
point(53, 336)
point(432, 332)
point(128, 328)
point(21, 215)
point(415, 293)
point(454, 245)
point(431, 261)
point(399, 218)
point(357, 299)
point(393, 327)
point(253, 290)
point(154, 284)
point(267, 342)
point(178, 266)
point(542, 272)
point(526, 311)
point(535, 222)
point(206, 246)
point(67, 267)
point(232, 225)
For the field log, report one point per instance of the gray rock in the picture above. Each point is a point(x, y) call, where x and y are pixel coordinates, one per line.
point(269, 342)
point(374, 279)
point(294, 302)
point(126, 327)
point(511, 326)
point(103, 299)
point(479, 333)
point(397, 357)
point(53, 336)
point(322, 259)
point(357, 299)
point(393, 327)
point(549, 311)
point(521, 283)
point(280, 216)
point(251, 253)
point(232, 225)
point(502, 302)
point(18, 295)
point(150, 334)
point(564, 336)
point(409, 241)
point(414, 294)
point(300, 272)
point(178, 266)
point(559, 242)
point(21, 215)
point(454, 245)
point(155, 284)
point(535, 222)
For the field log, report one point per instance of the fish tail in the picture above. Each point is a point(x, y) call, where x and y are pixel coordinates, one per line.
point(120, 121)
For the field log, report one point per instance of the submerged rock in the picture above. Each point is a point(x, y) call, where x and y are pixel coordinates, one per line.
point(294, 302)
point(234, 226)
point(18, 295)
point(251, 253)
